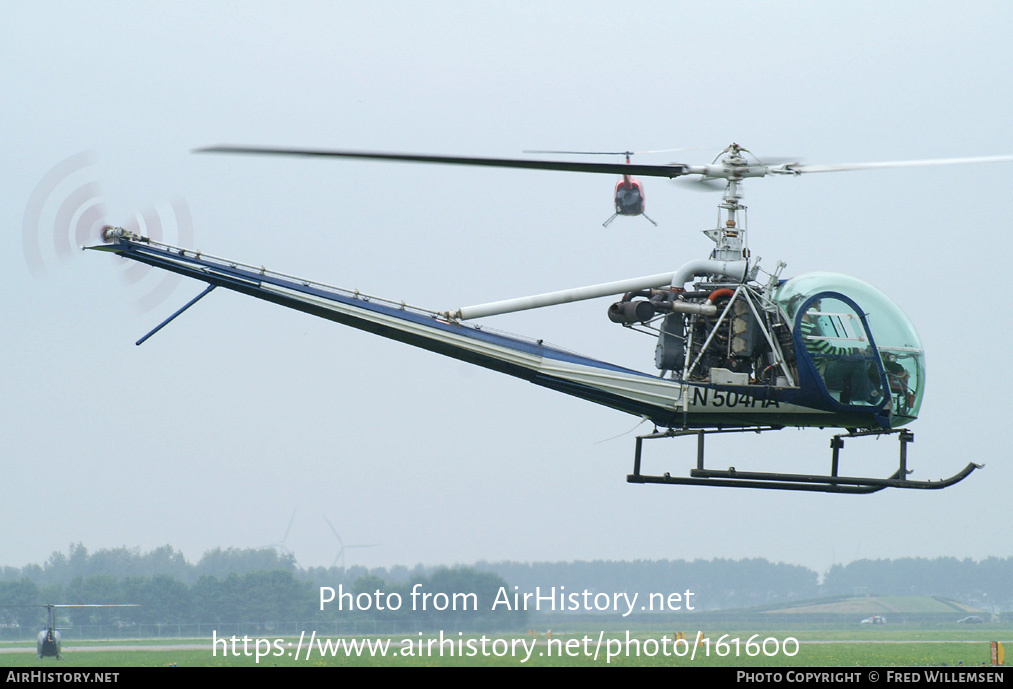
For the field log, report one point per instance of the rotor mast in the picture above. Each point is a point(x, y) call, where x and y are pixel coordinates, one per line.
point(729, 236)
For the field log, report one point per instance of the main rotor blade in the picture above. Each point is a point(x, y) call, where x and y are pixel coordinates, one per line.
point(799, 169)
point(671, 170)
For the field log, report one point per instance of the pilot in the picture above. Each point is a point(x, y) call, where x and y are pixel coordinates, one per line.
point(852, 377)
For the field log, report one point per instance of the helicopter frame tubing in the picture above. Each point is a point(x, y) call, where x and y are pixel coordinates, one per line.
point(827, 483)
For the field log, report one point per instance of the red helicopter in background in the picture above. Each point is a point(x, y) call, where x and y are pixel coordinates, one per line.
point(629, 194)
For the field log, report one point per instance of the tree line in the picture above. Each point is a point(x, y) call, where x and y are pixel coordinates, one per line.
point(232, 586)
point(258, 585)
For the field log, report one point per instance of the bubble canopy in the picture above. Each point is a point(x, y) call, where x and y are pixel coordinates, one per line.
point(896, 340)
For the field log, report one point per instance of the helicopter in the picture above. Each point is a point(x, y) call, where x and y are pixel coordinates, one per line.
point(629, 192)
point(48, 643)
point(736, 351)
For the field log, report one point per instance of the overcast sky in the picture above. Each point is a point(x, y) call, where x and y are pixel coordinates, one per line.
point(240, 413)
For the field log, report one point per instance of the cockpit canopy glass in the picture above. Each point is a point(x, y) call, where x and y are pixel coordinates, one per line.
point(833, 335)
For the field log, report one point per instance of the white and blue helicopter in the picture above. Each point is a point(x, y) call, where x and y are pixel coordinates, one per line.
point(736, 351)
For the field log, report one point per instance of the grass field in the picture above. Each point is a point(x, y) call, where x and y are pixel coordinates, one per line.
point(843, 648)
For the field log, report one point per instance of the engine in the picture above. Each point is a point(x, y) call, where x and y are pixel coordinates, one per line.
point(700, 330)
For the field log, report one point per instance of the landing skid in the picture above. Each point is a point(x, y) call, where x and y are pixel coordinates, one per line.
point(615, 215)
point(832, 483)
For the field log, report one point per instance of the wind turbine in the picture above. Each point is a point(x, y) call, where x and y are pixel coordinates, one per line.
point(341, 551)
point(280, 546)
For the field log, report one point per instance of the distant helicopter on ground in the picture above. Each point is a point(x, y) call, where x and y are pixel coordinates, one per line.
point(48, 643)
point(735, 351)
